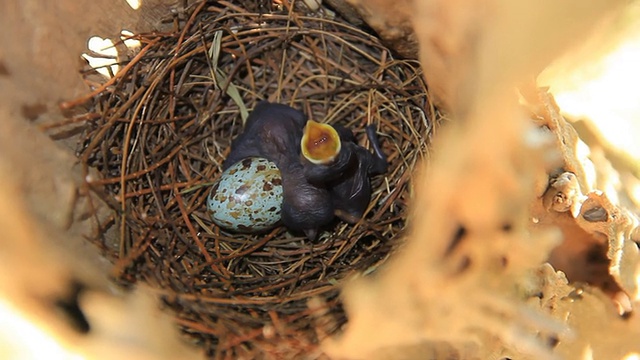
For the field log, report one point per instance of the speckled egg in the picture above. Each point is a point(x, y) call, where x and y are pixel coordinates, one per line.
point(247, 197)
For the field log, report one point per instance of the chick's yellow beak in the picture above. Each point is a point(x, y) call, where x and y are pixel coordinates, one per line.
point(320, 143)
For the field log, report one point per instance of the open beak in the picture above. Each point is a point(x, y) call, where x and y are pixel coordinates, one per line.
point(320, 143)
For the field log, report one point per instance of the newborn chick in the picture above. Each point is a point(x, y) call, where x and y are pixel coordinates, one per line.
point(347, 175)
point(274, 132)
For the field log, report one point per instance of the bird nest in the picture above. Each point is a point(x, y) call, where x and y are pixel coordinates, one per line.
point(155, 137)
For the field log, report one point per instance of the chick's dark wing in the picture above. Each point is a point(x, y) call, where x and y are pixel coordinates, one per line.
point(266, 112)
point(271, 131)
point(241, 147)
point(279, 140)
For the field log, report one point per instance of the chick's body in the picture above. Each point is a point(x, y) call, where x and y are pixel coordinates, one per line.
point(274, 131)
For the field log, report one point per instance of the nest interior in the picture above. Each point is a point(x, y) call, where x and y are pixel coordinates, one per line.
point(154, 137)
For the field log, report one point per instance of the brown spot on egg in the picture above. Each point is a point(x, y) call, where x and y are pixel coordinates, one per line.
point(235, 214)
point(248, 202)
point(246, 163)
point(273, 208)
point(242, 189)
point(215, 188)
point(267, 186)
point(276, 181)
point(262, 167)
point(233, 171)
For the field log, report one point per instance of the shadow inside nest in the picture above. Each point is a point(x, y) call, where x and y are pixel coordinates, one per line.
point(158, 134)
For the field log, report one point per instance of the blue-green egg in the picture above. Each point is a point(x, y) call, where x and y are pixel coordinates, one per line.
point(248, 196)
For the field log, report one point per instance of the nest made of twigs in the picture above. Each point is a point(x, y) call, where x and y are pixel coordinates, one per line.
point(158, 132)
